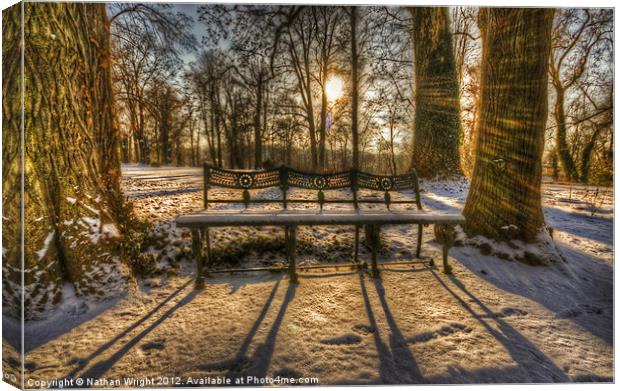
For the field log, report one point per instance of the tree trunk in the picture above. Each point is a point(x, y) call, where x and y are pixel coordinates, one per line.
point(586, 155)
point(311, 126)
point(218, 130)
point(258, 140)
point(71, 157)
point(437, 109)
point(208, 119)
point(164, 136)
point(234, 158)
point(392, 150)
point(564, 155)
point(11, 162)
point(555, 168)
point(354, 91)
point(145, 148)
point(504, 201)
point(323, 126)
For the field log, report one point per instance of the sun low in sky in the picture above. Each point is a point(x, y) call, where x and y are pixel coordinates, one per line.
point(334, 88)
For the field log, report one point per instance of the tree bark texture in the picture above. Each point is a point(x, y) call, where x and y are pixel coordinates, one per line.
point(71, 157)
point(11, 159)
point(504, 201)
point(437, 125)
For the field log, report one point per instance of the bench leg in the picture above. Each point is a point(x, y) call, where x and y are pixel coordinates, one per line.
point(375, 243)
point(357, 247)
point(197, 252)
point(445, 235)
point(208, 253)
point(290, 238)
point(419, 247)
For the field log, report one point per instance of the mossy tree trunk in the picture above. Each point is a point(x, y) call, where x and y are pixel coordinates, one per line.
point(504, 201)
point(72, 197)
point(11, 158)
point(437, 108)
point(569, 168)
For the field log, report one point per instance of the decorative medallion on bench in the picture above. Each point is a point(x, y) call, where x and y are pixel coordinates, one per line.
point(286, 178)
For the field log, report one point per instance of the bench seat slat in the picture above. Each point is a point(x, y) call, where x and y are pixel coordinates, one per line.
point(215, 218)
point(310, 201)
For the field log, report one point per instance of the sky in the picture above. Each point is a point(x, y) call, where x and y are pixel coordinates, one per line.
point(198, 28)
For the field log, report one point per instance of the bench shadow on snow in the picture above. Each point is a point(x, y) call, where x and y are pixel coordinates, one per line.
point(38, 333)
point(163, 193)
point(397, 365)
point(535, 364)
point(567, 296)
point(434, 204)
point(242, 365)
point(99, 369)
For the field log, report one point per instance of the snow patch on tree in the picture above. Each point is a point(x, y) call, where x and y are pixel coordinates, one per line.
point(48, 240)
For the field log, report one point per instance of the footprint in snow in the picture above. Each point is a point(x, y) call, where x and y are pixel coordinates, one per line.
point(363, 329)
point(77, 309)
point(505, 313)
point(153, 345)
point(237, 364)
point(346, 339)
point(581, 309)
point(508, 311)
point(444, 331)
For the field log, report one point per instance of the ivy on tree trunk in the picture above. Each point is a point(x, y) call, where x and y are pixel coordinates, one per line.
point(437, 126)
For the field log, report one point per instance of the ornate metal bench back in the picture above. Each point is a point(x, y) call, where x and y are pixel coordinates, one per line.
point(285, 178)
point(387, 184)
point(318, 182)
point(239, 179)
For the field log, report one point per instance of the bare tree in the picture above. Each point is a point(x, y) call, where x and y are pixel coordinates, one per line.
point(580, 37)
point(147, 40)
point(467, 53)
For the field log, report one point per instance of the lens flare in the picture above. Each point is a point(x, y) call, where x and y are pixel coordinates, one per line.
point(333, 88)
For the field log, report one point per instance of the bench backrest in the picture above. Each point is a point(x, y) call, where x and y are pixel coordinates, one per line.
point(286, 178)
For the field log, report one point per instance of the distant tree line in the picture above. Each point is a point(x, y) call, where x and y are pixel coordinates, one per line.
point(257, 94)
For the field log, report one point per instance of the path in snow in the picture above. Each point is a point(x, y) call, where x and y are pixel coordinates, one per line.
point(492, 321)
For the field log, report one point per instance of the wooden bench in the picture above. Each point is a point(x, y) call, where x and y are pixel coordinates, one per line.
point(286, 179)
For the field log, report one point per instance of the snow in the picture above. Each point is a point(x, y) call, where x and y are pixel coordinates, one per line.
point(110, 230)
point(493, 321)
point(96, 230)
point(46, 243)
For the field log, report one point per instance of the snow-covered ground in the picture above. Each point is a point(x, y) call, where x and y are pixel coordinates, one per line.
point(493, 320)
